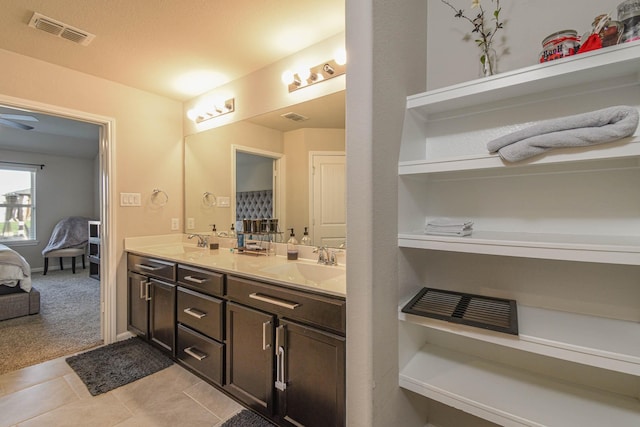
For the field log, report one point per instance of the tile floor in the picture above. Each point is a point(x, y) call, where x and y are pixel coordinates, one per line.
point(51, 394)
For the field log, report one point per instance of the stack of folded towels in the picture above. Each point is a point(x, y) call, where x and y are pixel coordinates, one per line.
point(448, 227)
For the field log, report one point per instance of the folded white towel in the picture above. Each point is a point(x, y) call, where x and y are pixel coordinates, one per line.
point(460, 233)
point(448, 222)
point(596, 127)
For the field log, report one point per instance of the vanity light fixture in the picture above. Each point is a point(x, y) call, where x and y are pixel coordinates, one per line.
point(200, 114)
point(306, 76)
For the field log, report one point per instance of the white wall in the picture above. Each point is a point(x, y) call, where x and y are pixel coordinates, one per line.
point(452, 59)
point(64, 187)
point(148, 144)
point(386, 41)
point(263, 91)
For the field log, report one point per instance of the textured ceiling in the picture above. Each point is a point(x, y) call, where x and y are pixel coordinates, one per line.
point(152, 45)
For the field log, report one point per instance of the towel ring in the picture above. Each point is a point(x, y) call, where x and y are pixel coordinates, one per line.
point(164, 198)
point(209, 199)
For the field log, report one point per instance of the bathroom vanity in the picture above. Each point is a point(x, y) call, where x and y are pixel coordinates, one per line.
point(268, 331)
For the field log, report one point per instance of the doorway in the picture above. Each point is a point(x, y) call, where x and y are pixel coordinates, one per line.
point(327, 198)
point(105, 190)
point(265, 166)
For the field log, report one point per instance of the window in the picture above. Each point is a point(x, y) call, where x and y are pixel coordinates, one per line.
point(17, 204)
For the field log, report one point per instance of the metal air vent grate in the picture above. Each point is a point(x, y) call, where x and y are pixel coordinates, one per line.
point(496, 314)
point(295, 117)
point(60, 29)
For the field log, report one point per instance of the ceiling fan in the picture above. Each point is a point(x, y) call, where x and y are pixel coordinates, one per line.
point(13, 121)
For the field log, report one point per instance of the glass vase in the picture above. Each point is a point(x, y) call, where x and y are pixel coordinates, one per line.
point(488, 63)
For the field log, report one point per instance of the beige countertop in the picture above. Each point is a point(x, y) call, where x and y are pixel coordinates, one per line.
point(303, 274)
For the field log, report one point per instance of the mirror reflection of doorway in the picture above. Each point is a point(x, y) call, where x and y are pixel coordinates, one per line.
point(256, 185)
point(327, 201)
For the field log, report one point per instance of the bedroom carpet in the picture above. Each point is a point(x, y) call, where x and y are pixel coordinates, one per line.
point(117, 364)
point(68, 322)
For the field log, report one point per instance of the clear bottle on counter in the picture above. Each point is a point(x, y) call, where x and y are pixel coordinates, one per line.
point(292, 246)
point(306, 240)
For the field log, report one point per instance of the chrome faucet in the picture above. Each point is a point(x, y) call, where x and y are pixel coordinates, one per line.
point(325, 256)
point(203, 241)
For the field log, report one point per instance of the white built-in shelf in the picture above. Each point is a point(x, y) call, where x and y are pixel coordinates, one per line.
point(512, 397)
point(568, 247)
point(628, 147)
point(589, 340)
point(591, 67)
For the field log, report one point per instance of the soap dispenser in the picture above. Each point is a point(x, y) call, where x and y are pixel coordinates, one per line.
point(306, 240)
point(292, 247)
point(232, 232)
point(214, 242)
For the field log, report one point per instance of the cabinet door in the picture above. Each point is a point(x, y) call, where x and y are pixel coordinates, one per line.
point(310, 376)
point(250, 357)
point(162, 319)
point(137, 305)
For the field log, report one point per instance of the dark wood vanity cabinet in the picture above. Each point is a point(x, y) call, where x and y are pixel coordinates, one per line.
point(200, 316)
point(250, 357)
point(279, 350)
point(286, 353)
point(310, 375)
point(152, 300)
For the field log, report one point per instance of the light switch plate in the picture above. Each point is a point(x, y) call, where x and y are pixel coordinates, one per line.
point(223, 201)
point(175, 224)
point(130, 199)
point(191, 223)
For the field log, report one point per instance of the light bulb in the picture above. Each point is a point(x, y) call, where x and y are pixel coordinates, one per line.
point(287, 77)
point(304, 73)
point(340, 56)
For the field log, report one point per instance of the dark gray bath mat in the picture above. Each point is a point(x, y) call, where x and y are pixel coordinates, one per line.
point(246, 418)
point(117, 364)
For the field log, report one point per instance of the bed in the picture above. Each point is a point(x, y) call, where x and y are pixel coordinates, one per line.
point(17, 296)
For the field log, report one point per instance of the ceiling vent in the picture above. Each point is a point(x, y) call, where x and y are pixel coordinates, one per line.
point(60, 29)
point(295, 117)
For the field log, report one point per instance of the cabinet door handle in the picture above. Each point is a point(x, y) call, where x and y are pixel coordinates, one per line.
point(195, 353)
point(265, 344)
point(195, 313)
point(148, 267)
point(194, 279)
point(142, 289)
point(274, 301)
point(280, 366)
point(147, 295)
point(280, 383)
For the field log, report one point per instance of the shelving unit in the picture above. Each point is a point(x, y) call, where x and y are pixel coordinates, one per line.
point(569, 205)
point(94, 249)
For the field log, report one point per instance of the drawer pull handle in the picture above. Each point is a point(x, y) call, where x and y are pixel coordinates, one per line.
point(274, 301)
point(194, 279)
point(195, 313)
point(195, 353)
point(148, 267)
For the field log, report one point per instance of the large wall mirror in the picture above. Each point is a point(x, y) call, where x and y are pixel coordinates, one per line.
point(272, 166)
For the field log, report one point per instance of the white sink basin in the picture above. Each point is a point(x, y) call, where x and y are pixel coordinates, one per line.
point(179, 249)
point(315, 273)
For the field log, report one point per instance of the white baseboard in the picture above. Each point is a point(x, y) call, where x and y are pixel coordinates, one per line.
point(124, 336)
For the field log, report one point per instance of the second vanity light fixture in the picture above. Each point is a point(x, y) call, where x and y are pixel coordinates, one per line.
point(217, 109)
point(307, 76)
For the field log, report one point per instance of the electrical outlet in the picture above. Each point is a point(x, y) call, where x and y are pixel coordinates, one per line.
point(191, 223)
point(175, 224)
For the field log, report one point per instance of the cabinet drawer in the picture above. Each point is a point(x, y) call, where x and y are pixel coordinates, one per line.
point(201, 312)
point(201, 280)
point(202, 354)
point(152, 267)
point(317, 310)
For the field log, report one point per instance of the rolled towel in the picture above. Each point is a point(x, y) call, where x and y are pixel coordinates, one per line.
point(596, 127)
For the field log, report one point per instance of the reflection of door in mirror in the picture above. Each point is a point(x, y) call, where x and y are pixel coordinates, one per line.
point(327, 201)
point(256, 184)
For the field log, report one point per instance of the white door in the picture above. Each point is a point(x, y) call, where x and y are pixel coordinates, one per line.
point(328, 199)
